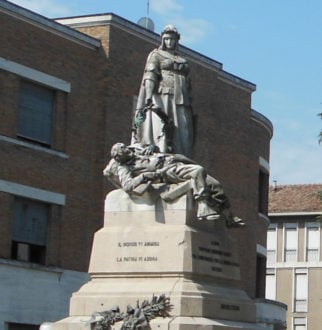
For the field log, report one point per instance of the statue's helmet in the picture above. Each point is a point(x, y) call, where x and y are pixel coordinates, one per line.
point(170, 29)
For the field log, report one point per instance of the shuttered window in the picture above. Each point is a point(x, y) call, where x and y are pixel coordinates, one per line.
point(290, 242)
point(271, 244)
point(29, 230)
point(301, 290)
point(299, 323)
point(36, 105)
point(270, 285)
point(312, 242)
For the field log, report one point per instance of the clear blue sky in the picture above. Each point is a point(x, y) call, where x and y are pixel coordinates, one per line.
point(274, 44)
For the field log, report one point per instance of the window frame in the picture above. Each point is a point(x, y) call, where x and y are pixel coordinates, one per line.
point(308, 226)
point(23, 116)
point(272, 257)
point(298, 320)
point(30, 247)
point(300, 272)
point(286, 227)
point(271, 272)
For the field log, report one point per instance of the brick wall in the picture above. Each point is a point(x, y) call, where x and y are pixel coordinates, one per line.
point(98, 112)
point(79, 129)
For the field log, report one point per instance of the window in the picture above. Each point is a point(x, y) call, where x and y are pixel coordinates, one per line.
point(29, 231)
point(263, 185)
point(36, 105)
point(271, 244)
point(260, 276)
point(21, 326)
point(312, 242)
point(270, 292)
point(290, 242)
point(299, 323)
point(301, 290)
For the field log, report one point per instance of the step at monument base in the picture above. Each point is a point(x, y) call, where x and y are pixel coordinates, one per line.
point(176, 323)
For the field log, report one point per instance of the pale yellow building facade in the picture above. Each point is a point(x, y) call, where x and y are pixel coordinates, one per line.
point(294, 256)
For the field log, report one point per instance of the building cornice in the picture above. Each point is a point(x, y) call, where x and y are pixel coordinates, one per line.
point(285, 214)
point(33, 146)
point(22, 190)
point(49, 25)
point(130, 27)
point(236, 81)
point(263, 121)
point(65, 27)
point(263, 217)
point(295, 265)
point(264, 164)
point(35, 75)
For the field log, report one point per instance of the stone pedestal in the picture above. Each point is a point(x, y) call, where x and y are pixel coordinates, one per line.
point(149, 247)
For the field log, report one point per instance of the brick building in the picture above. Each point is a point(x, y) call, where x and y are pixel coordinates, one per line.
point(294, 268)
point(68, 89)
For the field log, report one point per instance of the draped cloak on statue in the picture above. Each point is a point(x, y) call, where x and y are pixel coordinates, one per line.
point(168, 122)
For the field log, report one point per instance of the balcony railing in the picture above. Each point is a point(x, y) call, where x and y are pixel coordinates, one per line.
point(271, 256)
point(300, 305)
point(290, 255)
point(312, 255)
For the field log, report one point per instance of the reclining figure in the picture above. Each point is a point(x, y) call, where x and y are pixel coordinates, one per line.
point(134, 169)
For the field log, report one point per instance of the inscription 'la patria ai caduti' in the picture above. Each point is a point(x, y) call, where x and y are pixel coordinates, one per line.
point(137, 244)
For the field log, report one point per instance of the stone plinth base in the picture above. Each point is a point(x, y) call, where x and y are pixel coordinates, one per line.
point(189, 297)
point(151, 247)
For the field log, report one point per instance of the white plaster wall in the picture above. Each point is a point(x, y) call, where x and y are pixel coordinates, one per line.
point(33, 294)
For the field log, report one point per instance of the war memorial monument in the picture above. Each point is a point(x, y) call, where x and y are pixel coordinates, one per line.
point(164, 258)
